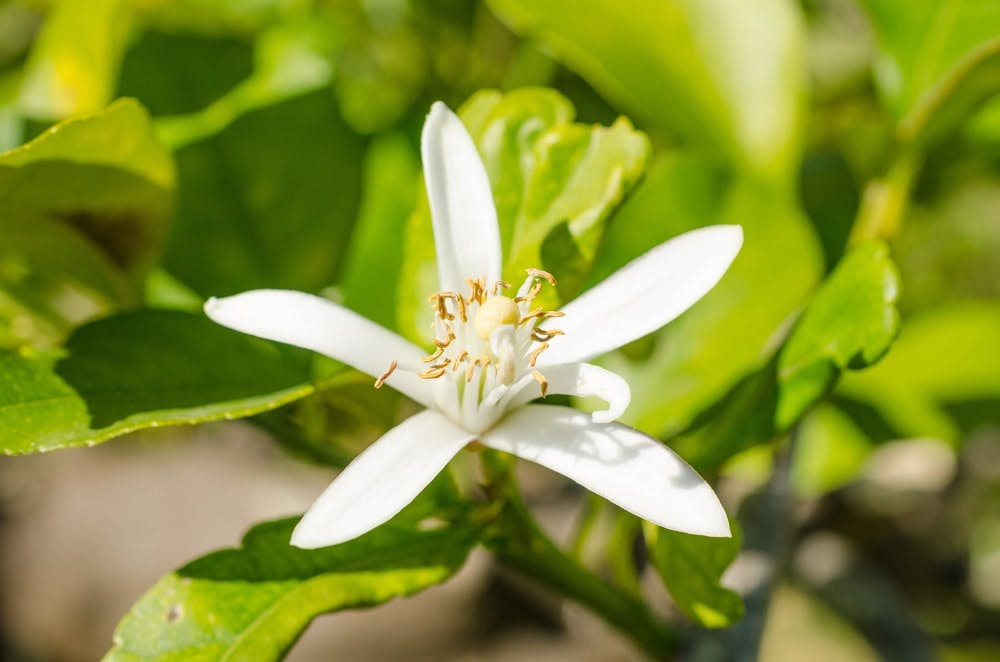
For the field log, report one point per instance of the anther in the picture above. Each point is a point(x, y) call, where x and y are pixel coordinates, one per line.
point(538, 273)
point(433, 357)
point(534, 355)
point(544, 383)
point(385, 375)
point(500, 284)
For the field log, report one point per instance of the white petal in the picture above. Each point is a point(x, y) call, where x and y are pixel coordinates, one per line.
point(624, 466)
point(645, 294)
point(466, 234)
point(309, 321)
point(578, 379)
point(381, 481)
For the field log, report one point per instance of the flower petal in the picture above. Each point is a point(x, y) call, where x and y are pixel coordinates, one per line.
point(622, 465)
point(381, 481)
point(309, 321)
point(645, 294)
point(578, 379)
point(466, 234)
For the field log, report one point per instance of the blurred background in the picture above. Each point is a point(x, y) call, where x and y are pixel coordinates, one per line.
point(289, 138)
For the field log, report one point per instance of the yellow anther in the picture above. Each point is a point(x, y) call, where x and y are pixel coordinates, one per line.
point(433, 357)
point(538, 273)
point(534, 355)
point(385, 375)
point(544, 383)
point(494, 312)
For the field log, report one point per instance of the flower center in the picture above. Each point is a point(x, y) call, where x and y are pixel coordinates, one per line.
point(486, 343)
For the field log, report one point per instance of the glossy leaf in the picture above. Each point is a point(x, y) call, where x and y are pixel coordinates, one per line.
point(553, 180)
point(138, 370)
point(725, 74)
point(74, 61)
point(849, 323)
point(268, 202)
point(84, 210)
point(253, 602)
point(691, 567)
point(938, 60)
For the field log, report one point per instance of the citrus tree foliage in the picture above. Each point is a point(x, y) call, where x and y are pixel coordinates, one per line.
point(154, 154)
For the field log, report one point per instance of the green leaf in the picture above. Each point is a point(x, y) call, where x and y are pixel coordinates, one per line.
point(104, 174)
point(725, 74)
point(372, 264)
point(552, 179)
point(944, 356)
point(253, 602)
point(268, 202)
point(73, 66)
point(938, 61)
point(849, 324)
point(290, 59)
point(691, 567)
point(84, 210)
point(144, 369)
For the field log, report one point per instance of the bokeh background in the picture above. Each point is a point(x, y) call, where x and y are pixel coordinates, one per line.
point(871, 530)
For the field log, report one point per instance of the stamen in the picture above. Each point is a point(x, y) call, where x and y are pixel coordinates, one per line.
point(500, 284)
point(538, 273)
point(433, 357)
point(385, 375)
point(534, 355)
point(461, 309)
point(544, 335)
point(540, 313)
point(540, 378)
point(531, 294)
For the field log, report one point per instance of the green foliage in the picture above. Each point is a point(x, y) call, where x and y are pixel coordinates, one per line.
point(84, 209)
point(74, 62)
point(724, 74)
point(848, 325)
point(138, 370)
point(268, 202)
point(938, 61)
point(253, 602)
point(691, 567)
point(945, 356)
point(553, 181)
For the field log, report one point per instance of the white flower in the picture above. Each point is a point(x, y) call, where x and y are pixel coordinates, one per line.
point(494, 355)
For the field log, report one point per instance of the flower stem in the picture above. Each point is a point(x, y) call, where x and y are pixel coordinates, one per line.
point(518, 542)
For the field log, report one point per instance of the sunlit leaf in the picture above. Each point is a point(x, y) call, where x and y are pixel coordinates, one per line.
point(74, 61)
point(691, 567)
point(84, 210)
point(138, 370)
point(253, 602)
point(726, 74)
point(939, 59)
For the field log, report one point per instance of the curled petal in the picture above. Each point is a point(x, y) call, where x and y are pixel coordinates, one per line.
point(580, 380)
point(381, 481)
point(309, 321)
point(466, 234)
point(645, 294)
point(624, 466)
